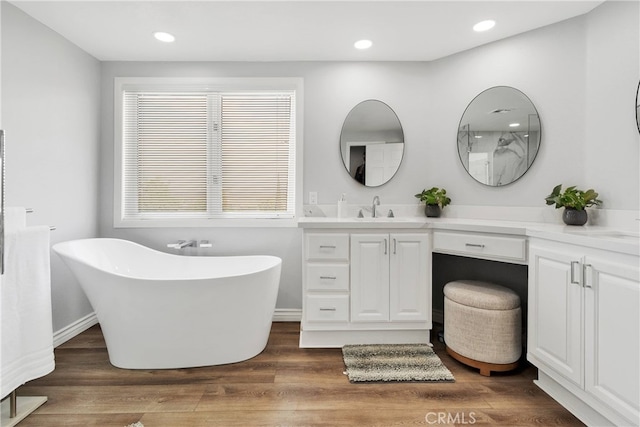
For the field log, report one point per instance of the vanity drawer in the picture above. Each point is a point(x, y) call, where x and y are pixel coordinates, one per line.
point(327, 308)
point(478, 245)
point(327, 277)
point(327, 246)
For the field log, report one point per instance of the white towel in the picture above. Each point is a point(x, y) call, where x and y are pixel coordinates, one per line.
point(25, 308)
point(15, 218)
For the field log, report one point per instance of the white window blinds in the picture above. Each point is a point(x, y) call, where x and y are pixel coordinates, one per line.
point(208, 155)
point(257, 153)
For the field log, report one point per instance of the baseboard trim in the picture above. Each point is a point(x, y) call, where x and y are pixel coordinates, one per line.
point(287, 315)
point(76, 328)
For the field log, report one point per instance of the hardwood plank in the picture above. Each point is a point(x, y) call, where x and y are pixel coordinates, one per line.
point(284, 385)
point(331, 372)
point(116, 399)
point(92, 367)
point(81, 420)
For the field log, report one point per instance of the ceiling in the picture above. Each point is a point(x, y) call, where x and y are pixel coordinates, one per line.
point(294, 30)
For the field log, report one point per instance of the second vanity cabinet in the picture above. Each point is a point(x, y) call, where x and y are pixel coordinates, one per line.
point(584, 328)
point(366, 286)
point(389, 277)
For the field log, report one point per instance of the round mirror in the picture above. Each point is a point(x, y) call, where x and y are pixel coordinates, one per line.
point(499, 136)
point(372, 143)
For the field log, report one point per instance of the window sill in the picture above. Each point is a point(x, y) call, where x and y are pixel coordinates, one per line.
point(208, 223)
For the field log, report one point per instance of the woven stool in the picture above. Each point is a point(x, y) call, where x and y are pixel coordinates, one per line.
point(482, 325)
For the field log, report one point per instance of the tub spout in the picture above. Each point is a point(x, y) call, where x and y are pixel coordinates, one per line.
point(181, 244)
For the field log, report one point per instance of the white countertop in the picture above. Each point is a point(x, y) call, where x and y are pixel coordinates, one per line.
point(605, 238)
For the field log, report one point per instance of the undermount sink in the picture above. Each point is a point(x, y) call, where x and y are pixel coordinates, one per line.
point(385, 219)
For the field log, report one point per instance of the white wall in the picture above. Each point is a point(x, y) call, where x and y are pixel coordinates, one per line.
point(550, 65)
point(50, 112)
point(612, 160)
point(581, 74)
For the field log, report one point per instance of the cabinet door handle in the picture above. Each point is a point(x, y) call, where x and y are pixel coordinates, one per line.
point(395, 246)
point(474, 245)
point(327, 309)
point(327, 246)
point(328, 277)
point(385, 246)
point(573, 272)
point(586, 268)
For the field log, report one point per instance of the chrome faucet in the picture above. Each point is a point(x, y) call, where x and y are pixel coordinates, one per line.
point(181, 244)
point(376, 202)
point(187, 243)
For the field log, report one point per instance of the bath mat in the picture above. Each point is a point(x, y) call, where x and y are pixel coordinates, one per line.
point(394, 362)
point(138, 424)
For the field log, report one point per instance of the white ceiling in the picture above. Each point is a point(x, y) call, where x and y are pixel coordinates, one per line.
point(295, 30)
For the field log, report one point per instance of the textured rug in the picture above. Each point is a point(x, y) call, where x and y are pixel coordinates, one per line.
point(394, 362)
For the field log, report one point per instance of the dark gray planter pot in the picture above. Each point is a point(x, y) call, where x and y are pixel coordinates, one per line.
point(432, 211)
point(572, 216)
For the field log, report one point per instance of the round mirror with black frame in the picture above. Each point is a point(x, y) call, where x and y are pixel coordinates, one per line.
point(372, 143)
point(499, 136)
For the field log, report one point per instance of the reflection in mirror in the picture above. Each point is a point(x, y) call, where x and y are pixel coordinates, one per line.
point(372, 143)
point(499, 136)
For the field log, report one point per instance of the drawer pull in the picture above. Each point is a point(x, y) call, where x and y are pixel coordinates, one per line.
point(327, 246)
point(474, 245)
point(328, 277)
point(327, 309)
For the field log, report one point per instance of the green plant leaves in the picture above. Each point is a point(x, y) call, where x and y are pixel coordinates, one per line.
point(434, 196)
point(572, 197)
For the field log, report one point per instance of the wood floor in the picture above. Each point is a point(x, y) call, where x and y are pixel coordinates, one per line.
point(283, 386)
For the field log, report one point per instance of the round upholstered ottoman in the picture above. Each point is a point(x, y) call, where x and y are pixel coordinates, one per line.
point(482, 325)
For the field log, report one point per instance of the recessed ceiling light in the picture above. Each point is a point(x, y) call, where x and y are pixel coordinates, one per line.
point(514, 125)
point(477, 136)
point(484, 25)
point(363, 44)
point(164, 37)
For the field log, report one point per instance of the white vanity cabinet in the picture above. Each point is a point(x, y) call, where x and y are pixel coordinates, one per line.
point(389, 277)
point(365, 286)
point(584, 329)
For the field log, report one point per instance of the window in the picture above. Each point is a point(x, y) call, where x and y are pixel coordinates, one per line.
point(191, 155)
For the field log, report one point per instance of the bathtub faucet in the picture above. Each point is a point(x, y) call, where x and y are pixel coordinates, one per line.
point(181, 244)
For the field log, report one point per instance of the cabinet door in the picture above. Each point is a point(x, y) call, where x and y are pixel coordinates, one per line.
point(612, 335)
point(369, 277)
point(555, 311)
point(409, 272)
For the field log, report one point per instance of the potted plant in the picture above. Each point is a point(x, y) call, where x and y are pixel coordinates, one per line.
point(434, 199)
point(574, 201)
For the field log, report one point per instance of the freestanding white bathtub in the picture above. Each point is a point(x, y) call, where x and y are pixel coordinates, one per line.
point(160, 311)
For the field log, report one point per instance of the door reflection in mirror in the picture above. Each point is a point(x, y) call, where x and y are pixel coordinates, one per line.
point(499, 136)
